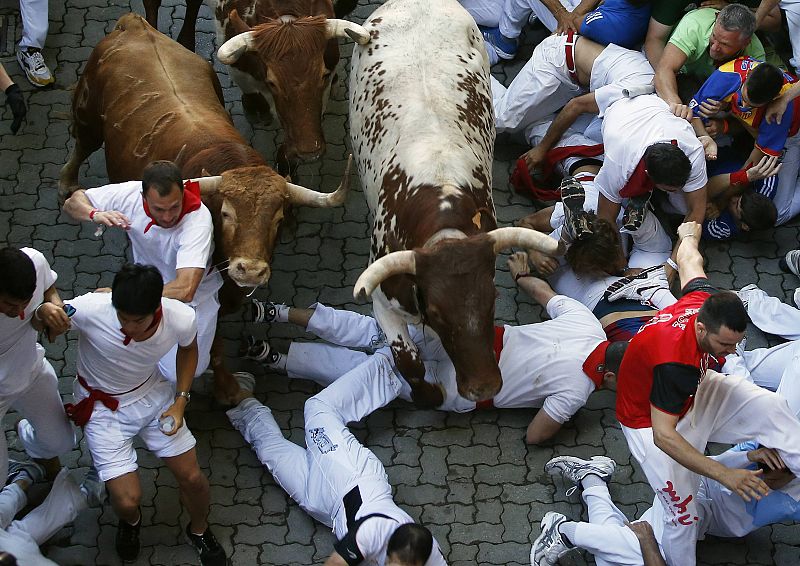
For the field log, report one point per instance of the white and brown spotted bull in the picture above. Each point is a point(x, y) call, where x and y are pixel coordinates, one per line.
point(283, 55)
point(423, 135)
point(146, 98)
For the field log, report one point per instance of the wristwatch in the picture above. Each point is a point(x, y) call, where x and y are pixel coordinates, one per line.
point(184, 394)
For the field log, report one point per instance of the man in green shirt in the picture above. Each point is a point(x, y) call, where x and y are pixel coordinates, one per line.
point(703, 40)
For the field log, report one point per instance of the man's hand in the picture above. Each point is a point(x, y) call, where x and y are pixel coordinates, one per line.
point(745, 483)
point(642, 530)
point(718, 4)
point(534, 158)
point(111, 218)
point(767, 166)
point(518, 264)
point(775, 110)
point(176, 412)
point(54, 319)
point(709, 147)
point(16, 102)
point(710, 108)
point(681, 111)
point(767, 456)
point(565, 23)
point(542, 263)
point(712, 211)
point(689, 229)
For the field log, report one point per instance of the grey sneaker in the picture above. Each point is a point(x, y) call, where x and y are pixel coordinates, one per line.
point(573, 195)
point(635, 211)
point(640, 287)
point(797, 297)
point(93, 488)
point(32, 62)
point(790, 263)
point(30, 471)
point(550, 546)
point(246, 381)
point(575, 469)
point(745, 292)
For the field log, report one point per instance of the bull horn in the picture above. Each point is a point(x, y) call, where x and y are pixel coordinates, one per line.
point(235, 47)
point(344, 29)
point(302, 196)
point(526, 238)
point(395, 263)
point(208, 185)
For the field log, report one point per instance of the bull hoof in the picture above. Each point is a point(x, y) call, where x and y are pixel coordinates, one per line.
point(64, 192)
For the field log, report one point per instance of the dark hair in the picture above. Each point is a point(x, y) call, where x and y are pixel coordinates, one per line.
point(667, 164)
point(763, 84)
point(137, 289)
point(614, 354)
point(161, 176)
point(597, 253)
point(410, 544)
point(19, 274)
point(724, 308)
point(7, 559)
point(758, 211)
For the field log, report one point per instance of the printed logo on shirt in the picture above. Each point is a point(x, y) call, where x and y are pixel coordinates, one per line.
point(684, 318)
point(661, 317)
point(324, 444)
point(677, 505)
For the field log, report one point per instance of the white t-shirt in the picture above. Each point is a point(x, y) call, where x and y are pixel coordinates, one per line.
point(105, 361)
point(188, 244)
point(20, 353)
point(630, 126)
point(542, 363)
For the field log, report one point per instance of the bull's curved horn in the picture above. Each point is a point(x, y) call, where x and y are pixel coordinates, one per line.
point(526, 238)
point(345, 29)
point(230, 51)
point(395, 263)
point(208, 184)
point(302, 196)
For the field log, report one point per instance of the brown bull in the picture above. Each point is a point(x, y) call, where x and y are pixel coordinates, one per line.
point(148, 98)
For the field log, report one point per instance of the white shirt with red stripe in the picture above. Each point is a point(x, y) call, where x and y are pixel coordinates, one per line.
point(630, 126)
point(105, 361)
point(20, 353)
point(188, 244)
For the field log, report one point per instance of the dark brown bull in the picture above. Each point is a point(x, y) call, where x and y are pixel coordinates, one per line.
point(148, 98)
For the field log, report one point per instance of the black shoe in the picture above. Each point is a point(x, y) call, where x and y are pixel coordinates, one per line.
point(573, 196)
point(257, 350)
point(128, 540)
point(210, 551)
point(262, 311)
point(635, 211)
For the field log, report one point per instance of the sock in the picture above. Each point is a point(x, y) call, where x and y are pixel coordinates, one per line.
point(592, 480)
point(276, 361)
point(281, 313)
point(567, 530)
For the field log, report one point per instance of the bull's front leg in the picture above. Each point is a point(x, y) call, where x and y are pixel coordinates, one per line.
point(225, 385)
point(187, 35)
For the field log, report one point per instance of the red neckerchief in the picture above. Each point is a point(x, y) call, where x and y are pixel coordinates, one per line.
point(524, 183)
point(191, 202)
point(156, 320)
point(639, 182)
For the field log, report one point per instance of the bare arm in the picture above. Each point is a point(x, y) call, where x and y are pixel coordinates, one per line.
point(764, 8)
point(696, 203)
point(651, 555)
point(654, 42)
point(186, 365)
point(608, 210)
point(50, 315)
point(776, 108)
point(538, 289)
point(689, 258)
point(185, 284)
point(335, 560)
point(79, 207)
point(542, 428)
point(672, 59)
point(746, 483)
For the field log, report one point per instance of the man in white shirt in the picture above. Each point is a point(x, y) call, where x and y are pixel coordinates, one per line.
point(120, 393)
point(553, 365)
point(335, 479)
point(170, 228)
point(29, 303)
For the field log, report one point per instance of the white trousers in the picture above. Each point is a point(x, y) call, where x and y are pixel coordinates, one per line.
point(334, 461)
point(512, 15)
point(22, 538)
point(48, 432)
point(540, 88)
point(605, 535)
point(34, 23)
point(791, 10)
point(787, 195)
point(206, 313)
point(727, 409)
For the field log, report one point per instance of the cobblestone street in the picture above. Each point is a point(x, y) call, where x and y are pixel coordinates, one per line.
point(469, 477)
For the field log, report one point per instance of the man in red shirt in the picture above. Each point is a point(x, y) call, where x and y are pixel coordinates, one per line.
point(670, 405)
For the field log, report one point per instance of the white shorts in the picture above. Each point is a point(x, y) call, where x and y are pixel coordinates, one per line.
point(109, 434)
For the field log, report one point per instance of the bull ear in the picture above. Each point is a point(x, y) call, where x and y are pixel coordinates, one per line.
point(526, 238)
point(302, 196)
point(342, 28)
point(230, 51)
point(395, 263)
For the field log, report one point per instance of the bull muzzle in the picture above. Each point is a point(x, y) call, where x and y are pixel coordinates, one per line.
point(249, 272)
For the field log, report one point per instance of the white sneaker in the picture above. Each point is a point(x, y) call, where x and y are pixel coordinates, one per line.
point(575, 469)
point(29, 471)
point(797, 297)
point(550, 545)
point(246, 381)
point(745, 292)
point(93, 488)
point(639, 287)
point(32, 62)
point(790, 263)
